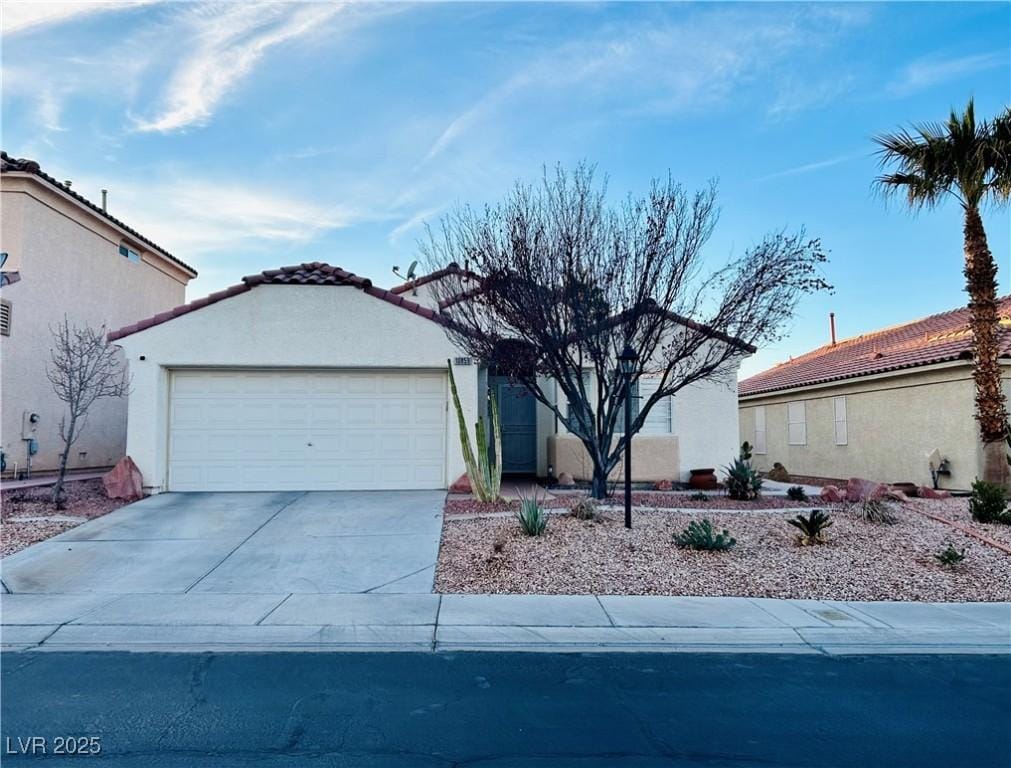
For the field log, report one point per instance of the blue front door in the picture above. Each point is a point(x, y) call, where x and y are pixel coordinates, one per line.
point(518, 415)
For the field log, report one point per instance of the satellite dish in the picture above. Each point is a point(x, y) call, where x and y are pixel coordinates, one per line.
point(934, 457)
point(411, 270)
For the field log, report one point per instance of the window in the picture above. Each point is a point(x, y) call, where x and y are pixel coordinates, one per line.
point(5, 317)
point(796, 416)
point(839, 408)
point(586, 388)
point(659, 420)
point(760, 446)
point(128, 253)
point(619, 424)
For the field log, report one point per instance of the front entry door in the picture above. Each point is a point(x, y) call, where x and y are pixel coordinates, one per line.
point(518, 416)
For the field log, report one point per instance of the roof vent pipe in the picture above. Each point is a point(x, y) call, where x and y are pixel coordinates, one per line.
point(67, 183)
point(105, 199)
point(831, 326)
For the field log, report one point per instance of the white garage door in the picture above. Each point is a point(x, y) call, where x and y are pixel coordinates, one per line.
point(315, 430)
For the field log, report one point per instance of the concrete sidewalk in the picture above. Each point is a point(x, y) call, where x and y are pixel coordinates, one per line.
point(429, 622)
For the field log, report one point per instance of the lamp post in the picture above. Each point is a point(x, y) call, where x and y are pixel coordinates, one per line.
point(627, 361)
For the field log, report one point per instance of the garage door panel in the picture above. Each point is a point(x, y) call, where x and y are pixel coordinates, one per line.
point(274, 430)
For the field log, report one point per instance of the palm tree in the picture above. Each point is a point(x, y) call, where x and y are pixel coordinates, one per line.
point(971, 162)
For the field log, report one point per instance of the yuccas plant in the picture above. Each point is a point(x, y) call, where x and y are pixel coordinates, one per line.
point(484, 470)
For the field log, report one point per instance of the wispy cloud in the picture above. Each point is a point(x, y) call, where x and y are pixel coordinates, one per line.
point(926, 72)
point(815, 166)
point(657, 67)
point(192, 215)
point(20, 15)
point(229, 41)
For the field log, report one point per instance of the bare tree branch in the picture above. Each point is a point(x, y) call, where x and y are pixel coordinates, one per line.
point(556, 282)
point(84, 367)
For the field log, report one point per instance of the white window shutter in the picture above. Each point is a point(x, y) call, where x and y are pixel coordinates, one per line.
point(658, 420)
point(760, 444)
point(797, 419)
point(841, 428)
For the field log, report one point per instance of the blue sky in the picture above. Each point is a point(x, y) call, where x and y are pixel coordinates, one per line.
point(245, 136)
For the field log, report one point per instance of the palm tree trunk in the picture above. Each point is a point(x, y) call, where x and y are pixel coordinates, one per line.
point(984, 322)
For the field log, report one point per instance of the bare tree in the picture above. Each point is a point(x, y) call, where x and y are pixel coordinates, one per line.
point(84, 367)
point(556, 282)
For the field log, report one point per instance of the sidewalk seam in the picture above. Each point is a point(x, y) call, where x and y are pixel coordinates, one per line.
point(268, 613)
point(609, 618)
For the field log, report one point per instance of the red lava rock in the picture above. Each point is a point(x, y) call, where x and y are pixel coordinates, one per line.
point(858, 489)
point(566, 479)
point(926, 492)
point(833, 494)
point(124, 481)
point(663, 485)
point(462, 485)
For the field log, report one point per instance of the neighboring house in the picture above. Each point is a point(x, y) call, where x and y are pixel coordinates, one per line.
point(73, 259)
point(874, 406)
point(309, 377)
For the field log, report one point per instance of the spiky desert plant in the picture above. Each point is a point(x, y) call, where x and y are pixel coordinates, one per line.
point(702, 535)
point(533, 518)
point(743, 481)
point(484, 470)
point(949, 556)
point(812, 527)
point(796, 493)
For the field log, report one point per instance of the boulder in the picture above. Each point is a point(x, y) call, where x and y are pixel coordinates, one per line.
point(462, 485)
point(896, 495)
point(663, 485)
point(926, 492)
point(833, 494)
point(565, 479)
point(779, 473)
point(124, 481)
point(858, 489)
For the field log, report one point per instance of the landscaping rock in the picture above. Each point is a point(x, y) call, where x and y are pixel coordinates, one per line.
point(663, 485)
point(462, 485)
point(779, 473)
point(858, 489)
point(124, 481)
point(832, 494)
point(566, 479)
point(926, 492)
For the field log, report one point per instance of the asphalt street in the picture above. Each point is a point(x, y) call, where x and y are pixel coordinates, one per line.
point(500, 709)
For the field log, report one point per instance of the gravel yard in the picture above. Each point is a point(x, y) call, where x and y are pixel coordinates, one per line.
point(861, 561)
point(28, 515)
point(957, 510)
point(651, 499)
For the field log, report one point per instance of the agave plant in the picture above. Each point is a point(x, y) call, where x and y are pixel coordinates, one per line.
point(485, 469)
point(743, 481)
point(532, 517)
point(812, 528)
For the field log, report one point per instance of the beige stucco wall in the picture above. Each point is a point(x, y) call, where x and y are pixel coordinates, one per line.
point(69, 262)
point(893, 421)
point(654, 457)
point(283, 326)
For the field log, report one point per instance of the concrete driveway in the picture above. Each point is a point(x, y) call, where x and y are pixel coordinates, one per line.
point(243, 543)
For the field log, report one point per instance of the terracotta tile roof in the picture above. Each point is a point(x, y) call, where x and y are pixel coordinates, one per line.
point(314, 273)
point(936, 339)
point(11, 165)
point(450, 269)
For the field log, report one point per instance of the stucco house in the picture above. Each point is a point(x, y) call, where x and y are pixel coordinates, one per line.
point(875, 406)
point(310, 377)
point(74, 259)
